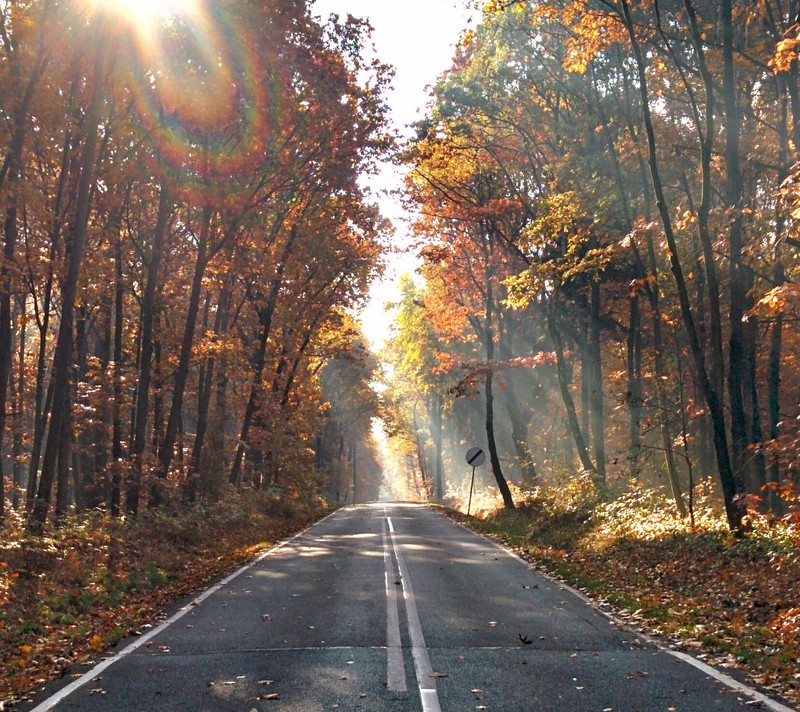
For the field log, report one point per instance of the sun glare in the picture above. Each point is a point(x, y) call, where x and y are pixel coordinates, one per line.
point(144, 13)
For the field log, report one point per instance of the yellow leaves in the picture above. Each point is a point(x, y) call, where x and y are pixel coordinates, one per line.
point(96, 642)
point(777, 300)
point(593, 32)
point(786, 52)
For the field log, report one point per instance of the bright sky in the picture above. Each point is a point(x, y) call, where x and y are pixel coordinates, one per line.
point(417, 37)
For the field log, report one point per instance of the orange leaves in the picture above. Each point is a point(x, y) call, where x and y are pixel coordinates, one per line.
point(778, 300)
point(786, 52)
point(593, 32)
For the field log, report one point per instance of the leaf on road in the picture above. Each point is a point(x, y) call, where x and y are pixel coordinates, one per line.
point(265, 682)
point(438, 674)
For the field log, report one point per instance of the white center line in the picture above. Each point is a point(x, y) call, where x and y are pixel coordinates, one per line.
point(422, 664)
point(396, 672)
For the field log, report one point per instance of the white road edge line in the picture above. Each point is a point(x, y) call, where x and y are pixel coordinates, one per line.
point(422, 664)
point(727, 680)
point(87, 677)
point(395, 668)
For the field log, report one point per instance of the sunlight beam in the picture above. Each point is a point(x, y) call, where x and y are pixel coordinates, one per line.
point(143, 14)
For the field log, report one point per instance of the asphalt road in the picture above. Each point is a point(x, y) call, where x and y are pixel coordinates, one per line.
point(391, 607)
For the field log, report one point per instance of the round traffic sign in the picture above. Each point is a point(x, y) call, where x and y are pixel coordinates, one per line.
point(475, 457)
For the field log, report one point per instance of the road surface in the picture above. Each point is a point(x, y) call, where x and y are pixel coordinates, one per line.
point(391, 607)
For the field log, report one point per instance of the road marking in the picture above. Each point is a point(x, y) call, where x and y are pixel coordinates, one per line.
point(422, 664)
point(727, 680)
point(87, 677)
point(395, 668)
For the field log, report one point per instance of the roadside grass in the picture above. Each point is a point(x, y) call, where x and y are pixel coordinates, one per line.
point(94, 580)
point(732, 602)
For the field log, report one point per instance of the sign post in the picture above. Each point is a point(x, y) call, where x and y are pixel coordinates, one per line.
point(475, 458)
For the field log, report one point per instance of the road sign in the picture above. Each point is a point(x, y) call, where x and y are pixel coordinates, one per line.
point(475, 457)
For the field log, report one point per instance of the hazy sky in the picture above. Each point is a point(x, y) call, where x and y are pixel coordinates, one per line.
point(417, 37)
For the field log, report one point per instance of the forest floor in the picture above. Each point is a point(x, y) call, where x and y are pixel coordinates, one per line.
point(731, 602)
point(69, 595)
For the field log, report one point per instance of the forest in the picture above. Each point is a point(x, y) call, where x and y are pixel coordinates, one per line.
point(606, 212)
point(604, 199)
point(184, 232)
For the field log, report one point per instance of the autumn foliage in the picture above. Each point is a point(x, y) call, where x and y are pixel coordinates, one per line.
point(185, 234)
point(606, 201)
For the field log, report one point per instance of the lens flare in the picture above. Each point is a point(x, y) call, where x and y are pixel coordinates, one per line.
point(207, 94)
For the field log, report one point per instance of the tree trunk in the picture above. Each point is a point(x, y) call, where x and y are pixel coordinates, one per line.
point(166, 452)
point(265, 320)
point(598, 429)
point(519, 436)
point(116, 414)
point(64, 492)
point(733, 512)
point(734, 190)
point(436, 405)
point(63, 352)
point(6, 340)
point(146, 346)
point(494, 457)
point(205, 383)
point(634, 363)
point(19, 415)
point(566, 397)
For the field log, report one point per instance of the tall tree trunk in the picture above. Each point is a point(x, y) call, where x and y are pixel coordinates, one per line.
point(43, 401)
point(733, 512)
point(116, 404)
point(734, 190)
point(84, 445)
point(9, 176)
point(216, 439)
point(598, 425)
point(436, 406)
point(716, 372)
point(64, 491)
point(63, 352)
point(205, 383)
point(146, 342)
point(634, 364)
point(566, 397)
point(519, 436)
point(19, 410)
point(265, 320)
point(166, 452)
point(494, 457)
point(6, 340)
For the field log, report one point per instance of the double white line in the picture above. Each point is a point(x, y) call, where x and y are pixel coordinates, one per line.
point(396, 675)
